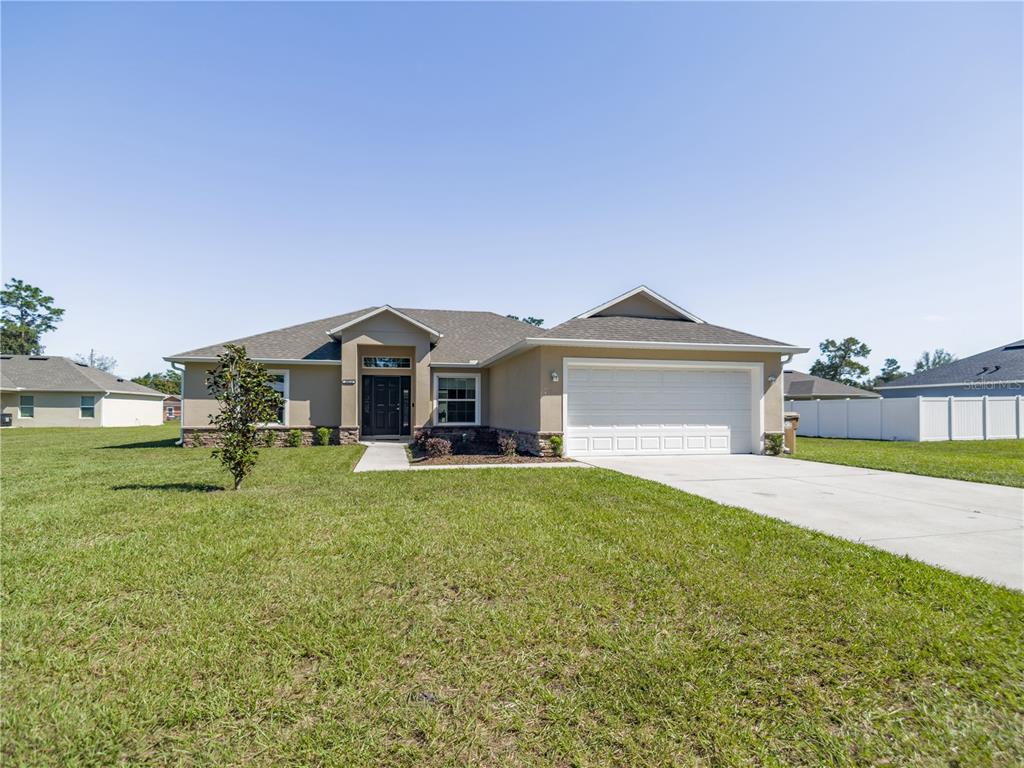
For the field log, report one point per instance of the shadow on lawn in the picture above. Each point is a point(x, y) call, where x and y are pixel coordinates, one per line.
point(170, 442)
point(184, 487)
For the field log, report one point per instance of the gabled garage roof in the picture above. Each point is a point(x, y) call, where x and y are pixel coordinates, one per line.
point(644, 291)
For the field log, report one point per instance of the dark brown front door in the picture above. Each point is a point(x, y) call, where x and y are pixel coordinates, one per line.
point(386, 406)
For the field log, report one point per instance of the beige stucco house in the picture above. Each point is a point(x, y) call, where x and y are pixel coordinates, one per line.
point(636, 374)
point(53, 391)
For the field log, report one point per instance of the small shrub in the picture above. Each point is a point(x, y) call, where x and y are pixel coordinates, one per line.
point(294, 439)
point(507, 445)
point(323, 436)
point(773, 444)
point(269, 437)
point(196, 440)
point(437, 446)
point(556, 444)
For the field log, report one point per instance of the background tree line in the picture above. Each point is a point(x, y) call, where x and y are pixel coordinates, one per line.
point(841, 361)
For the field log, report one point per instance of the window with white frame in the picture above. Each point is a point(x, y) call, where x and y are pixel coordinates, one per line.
point(458, 399)
point(170, 411)
point(27, 406)
point(279, 383)
point(387, 362)
point(87, 407)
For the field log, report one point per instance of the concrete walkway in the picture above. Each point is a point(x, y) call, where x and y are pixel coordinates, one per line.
point(390, 456)
point(383, 456)
point(971, 528)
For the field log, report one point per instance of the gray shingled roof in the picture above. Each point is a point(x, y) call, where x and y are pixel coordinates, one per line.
point(1005, 363)
point(49, 373)
point(470, 335)
point(650, 329)
point(466, 336)
point(307, 341)
point(804, 386)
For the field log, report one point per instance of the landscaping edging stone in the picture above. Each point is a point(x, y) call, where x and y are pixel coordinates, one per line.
point(206, 437)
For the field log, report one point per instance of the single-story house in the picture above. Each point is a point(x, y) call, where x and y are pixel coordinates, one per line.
point(996, 372)
point(172, 408)
point(803, 386)
point(636, 374)
point(51, 391)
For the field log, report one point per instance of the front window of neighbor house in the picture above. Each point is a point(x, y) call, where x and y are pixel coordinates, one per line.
point(27, 406)
point(387, 362)
point(458, 399)
point(279, 383)
point(87, 407)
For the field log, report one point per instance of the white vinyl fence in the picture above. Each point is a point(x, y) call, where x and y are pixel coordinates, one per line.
point(919, 419)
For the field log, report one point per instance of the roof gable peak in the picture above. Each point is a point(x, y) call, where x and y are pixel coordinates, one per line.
point(631, 304)
point(434, 334)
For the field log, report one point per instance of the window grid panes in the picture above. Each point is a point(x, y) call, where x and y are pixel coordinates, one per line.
point(277, 383)
point(456, 400)
point(87, 407)
point(27, 406)
point(387, 362)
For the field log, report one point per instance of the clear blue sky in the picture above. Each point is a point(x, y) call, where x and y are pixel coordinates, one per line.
point(181, 174)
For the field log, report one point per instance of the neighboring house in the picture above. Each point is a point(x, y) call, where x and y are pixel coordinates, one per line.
point(172, 408)
point(637, 374)
point(997, 372)
point(50, 391)
point(803, 386)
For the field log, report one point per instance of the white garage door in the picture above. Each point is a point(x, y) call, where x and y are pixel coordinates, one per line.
point(616, 410)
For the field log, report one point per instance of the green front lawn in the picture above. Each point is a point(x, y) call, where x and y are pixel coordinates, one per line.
point(983, 461)
point(480, 617)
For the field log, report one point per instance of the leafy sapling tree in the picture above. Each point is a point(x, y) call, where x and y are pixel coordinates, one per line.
point(242, 388)
point(839, 362)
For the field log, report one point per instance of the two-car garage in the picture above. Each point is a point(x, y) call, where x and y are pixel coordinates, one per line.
point(614, 407)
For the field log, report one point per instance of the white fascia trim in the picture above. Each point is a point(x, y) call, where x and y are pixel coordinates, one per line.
point(393, 311)
point(455, 365)
point(951, 384)
point(263, 360)
point(650, 294)
point(756, 371)
point(135, 394)
point(617, 344)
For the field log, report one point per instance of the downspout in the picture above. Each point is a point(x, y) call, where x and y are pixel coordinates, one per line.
point(181, 396)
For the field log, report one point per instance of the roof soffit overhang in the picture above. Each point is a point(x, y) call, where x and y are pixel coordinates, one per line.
point(528, 343)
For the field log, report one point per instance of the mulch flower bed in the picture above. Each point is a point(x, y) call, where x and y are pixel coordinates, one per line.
point(483, 458)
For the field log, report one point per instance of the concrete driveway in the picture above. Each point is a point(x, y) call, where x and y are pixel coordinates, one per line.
point(971, 528)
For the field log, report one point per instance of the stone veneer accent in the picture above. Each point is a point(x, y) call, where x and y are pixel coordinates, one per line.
point(206, 437)
point(532, 443)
